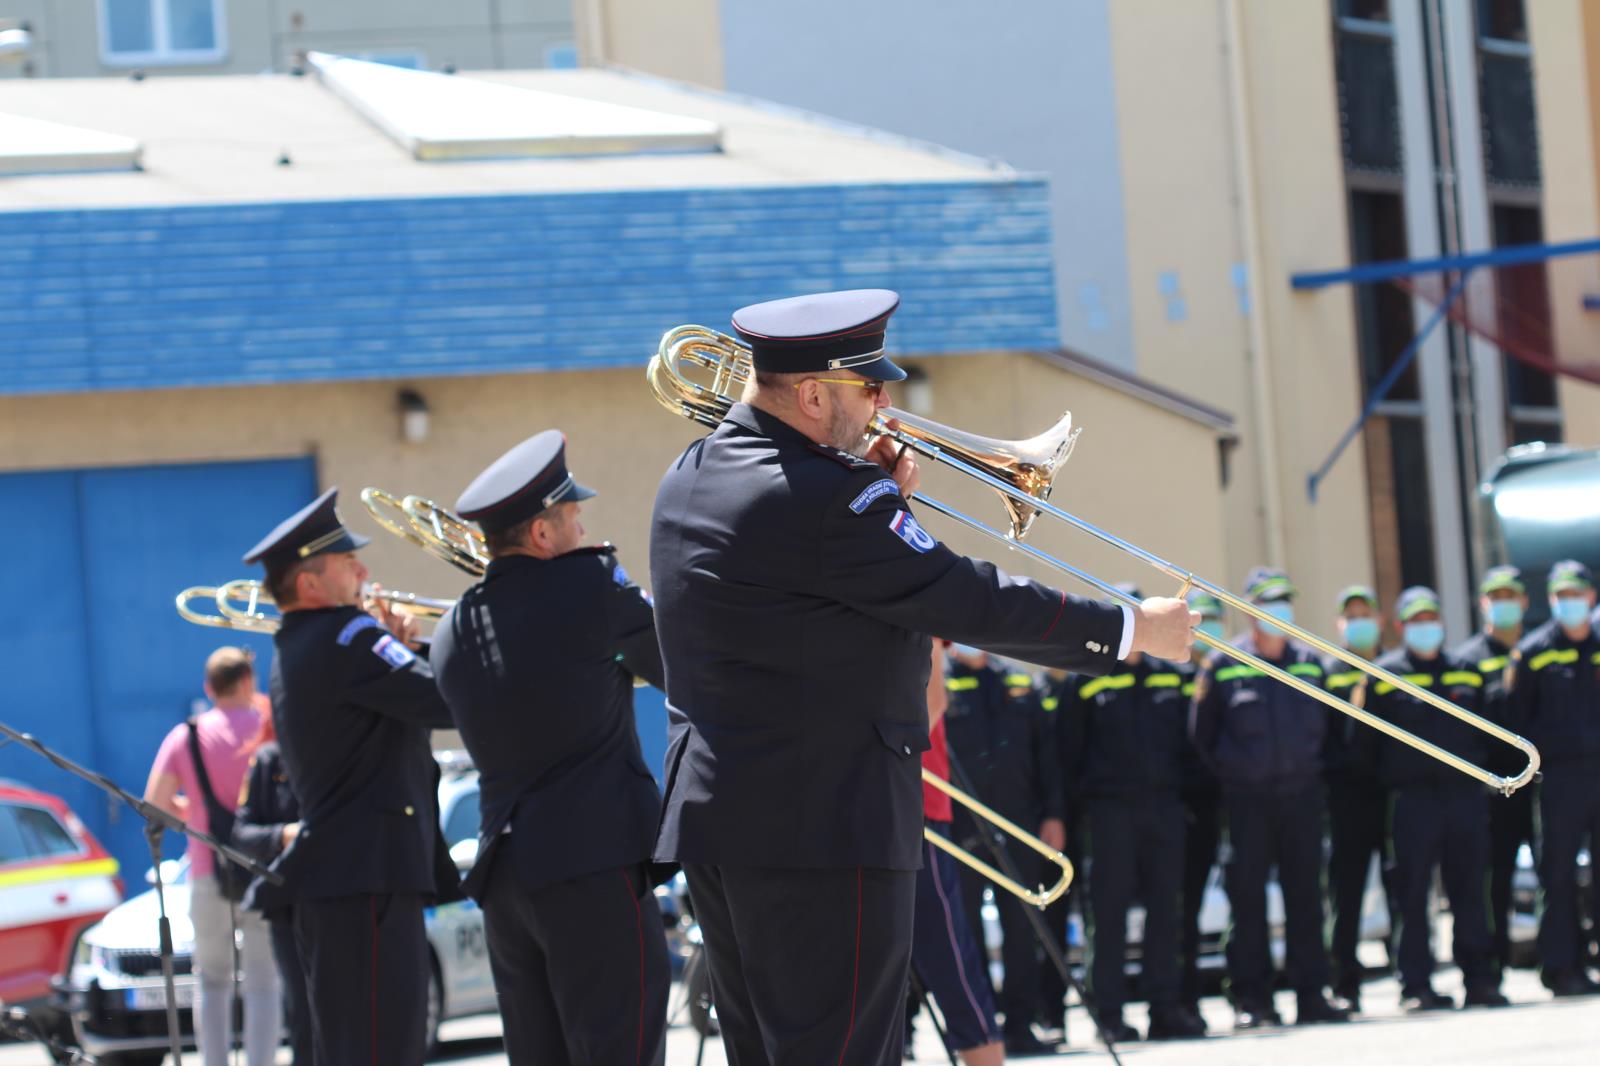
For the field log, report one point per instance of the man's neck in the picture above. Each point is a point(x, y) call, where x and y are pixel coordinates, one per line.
point(1577, 634)
point(1271, 647)
point(1508, 636)
point(764, 402)
point(523, 549)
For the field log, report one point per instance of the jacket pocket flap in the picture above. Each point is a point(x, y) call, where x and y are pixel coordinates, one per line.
point(904, 738)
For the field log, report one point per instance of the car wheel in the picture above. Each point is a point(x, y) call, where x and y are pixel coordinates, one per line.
point(435, 1009)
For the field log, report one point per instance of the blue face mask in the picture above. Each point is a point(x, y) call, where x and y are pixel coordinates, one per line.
point(1282, 610)
point(1211, 627)
point(1424, 638)
point(1505, 614)
point(1570, 612)
point(966, 650)
point(1361, 633)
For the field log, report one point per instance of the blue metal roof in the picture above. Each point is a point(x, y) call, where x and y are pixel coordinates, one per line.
point(384, 288)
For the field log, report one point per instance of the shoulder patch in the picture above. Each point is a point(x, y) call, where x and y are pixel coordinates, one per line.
point(393, 652)
point(904, 525)
point(619, 575)
point(354, 626)
point(846, 459)
point(881, 487)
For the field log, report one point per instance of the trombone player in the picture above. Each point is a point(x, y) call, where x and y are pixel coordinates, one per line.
point(794, 591)
point(537, 662)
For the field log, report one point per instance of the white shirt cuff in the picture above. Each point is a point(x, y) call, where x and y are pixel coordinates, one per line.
point(1127, 632)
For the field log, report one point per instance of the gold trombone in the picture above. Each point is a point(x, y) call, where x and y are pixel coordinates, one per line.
point(439, 532)
point(1021, 472)
point(242, 605)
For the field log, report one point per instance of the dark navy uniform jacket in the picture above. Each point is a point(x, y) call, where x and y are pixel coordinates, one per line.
point(537, 662)
point(1553, 696)
point(794, 591)
point(1257, 733)
point(1005, 742)
point(1127, 733)
point(266, 805)
point(1483, 653)
point(353, 708)
point(1400, 765)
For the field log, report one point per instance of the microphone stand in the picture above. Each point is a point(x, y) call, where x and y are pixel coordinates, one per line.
point(1041, 932)
point(157, 821)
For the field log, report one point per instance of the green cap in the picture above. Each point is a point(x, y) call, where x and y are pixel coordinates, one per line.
point(1357, 592)
point(1414, 601)
point(1208, 605)
point(1265, 583)
point(1569, 574)
point(1502, 577)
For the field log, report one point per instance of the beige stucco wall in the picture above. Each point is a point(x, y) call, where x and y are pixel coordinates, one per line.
point(681, 40)
point(1566, 70)
point(1147, 474)
point(1182, 193)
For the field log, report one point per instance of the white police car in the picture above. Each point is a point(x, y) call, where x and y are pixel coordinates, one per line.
point(114, 990)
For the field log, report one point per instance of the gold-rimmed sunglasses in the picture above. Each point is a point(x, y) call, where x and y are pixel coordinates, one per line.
point(873, 386)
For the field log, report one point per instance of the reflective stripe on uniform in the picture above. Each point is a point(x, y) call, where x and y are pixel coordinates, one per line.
point(1492, 666)
point(1462, 677)
point(1049, 703)
point(1305, 669)
point(1188, 688)
point(1233, 673)
point(1419, 680)
point(960, 684)
point(1093, 688)
point(1019, 681)
point(1554, 655)
point(1163, 681)
point(1344, 680)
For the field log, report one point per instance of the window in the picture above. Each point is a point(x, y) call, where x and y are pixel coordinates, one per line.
point(161, 32)
point(11, 847)
point(42, 834)
point(1363, 10)
point(1503, 20)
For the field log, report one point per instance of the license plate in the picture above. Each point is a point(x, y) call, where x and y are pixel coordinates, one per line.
point(154, 997)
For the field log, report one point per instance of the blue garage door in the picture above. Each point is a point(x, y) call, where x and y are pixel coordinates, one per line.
point(96, 662)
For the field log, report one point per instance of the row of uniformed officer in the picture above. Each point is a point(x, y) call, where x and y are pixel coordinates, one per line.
point(793, 590)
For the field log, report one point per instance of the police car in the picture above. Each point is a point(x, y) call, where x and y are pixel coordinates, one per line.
point(116, 998)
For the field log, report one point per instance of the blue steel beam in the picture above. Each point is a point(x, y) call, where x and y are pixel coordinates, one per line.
point(1404, 268)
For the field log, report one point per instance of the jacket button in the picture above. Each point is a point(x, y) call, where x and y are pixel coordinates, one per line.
point(410, 811)
point(906, 748)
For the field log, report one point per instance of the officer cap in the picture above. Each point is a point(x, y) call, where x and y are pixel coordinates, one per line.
point(1208, 605)
point(524, 481)
point(1569, 574)
point(315, 529)
point(1357, 592)
point(1414, 601)
point(1265, 583)
point(1502, 577)
point(822, 332)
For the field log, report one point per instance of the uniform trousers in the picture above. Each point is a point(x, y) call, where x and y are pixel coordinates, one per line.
point(1282, 829)
point(945, 956)
point(366, 964)
point(1510, 826)
point(1137, 853)
point(293, 977)
point(1019, 949)
point(1445, 826)
point(580, 968)
point(1569, 811)
point(1358, 818)
point(807, 966)
point(1202, 833)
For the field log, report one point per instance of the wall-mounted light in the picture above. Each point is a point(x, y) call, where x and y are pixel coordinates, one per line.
point(16, 39)
point(917, 390)
point(413, 416)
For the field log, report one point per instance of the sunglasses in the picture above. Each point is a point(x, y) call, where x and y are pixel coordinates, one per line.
point(873, 386)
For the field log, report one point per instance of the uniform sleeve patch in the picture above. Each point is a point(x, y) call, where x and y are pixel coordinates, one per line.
point(354, 626)
point(393, 652)
point(872, 492)
point(619, 575)
point(904, 525)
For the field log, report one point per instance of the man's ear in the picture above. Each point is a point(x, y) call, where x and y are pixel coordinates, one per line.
point(808, 398)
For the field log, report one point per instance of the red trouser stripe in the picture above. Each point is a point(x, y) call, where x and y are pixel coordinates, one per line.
point(638, 925)
point(855, 980)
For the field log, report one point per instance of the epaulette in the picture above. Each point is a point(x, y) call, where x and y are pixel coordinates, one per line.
point(844, 458)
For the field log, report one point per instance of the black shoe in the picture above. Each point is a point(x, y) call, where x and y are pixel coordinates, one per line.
point(1316, 1010)
point(1117, 1031)
point(1175, 1023)
point(1487, 996)
point(1249, 1015)
point(1571, 983)
point(1425, 1000)
point(1025, 1043)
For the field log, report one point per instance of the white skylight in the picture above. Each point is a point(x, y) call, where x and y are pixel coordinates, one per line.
point(444, 116)
point(34, 146)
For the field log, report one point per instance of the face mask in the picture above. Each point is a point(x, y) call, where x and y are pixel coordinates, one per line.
point(1505, 614)
point(965, 650)
point(1570, 612)
point(1282, 610)
point(1361, 632)
point(1211, 627)
point(1424, 638)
